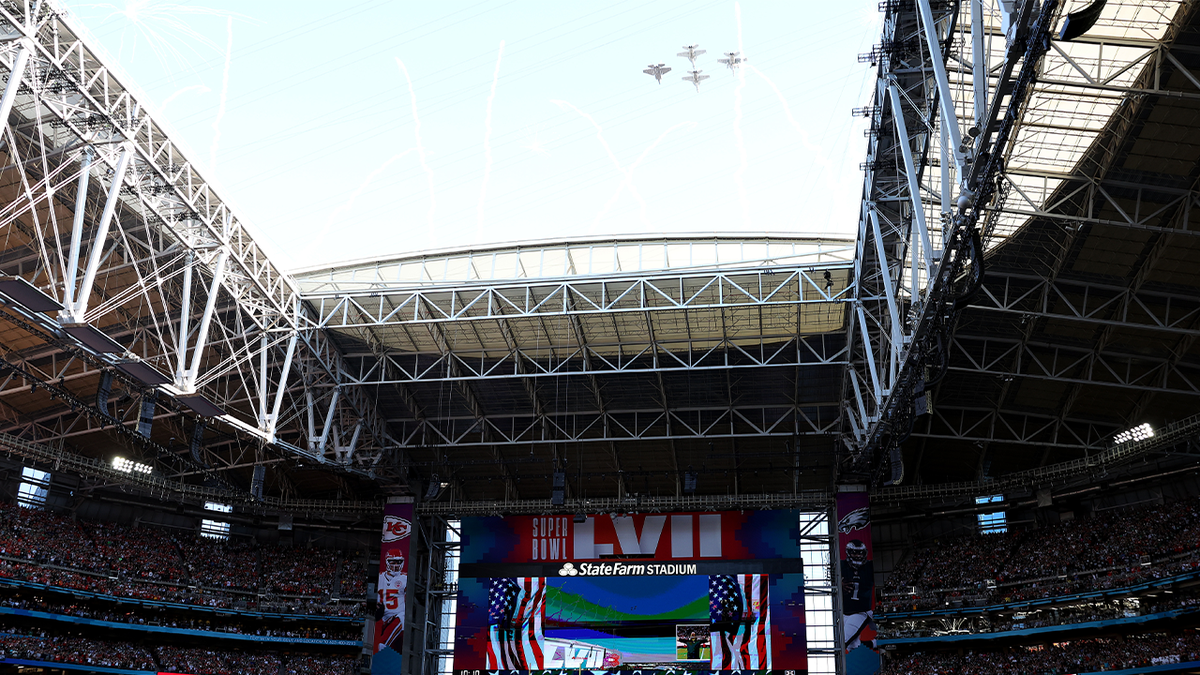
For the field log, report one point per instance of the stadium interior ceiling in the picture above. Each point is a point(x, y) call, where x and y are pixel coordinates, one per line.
point(748, 367)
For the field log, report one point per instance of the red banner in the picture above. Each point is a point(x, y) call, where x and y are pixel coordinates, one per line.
point(856, 568)
point(665, 537)
point(392, 590)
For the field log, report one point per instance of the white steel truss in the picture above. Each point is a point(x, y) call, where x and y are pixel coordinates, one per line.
point(981, 119)
point(153, 272)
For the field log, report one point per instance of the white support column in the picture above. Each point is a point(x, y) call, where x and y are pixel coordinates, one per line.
point(945, 99)
point(85, 171)
point(350, 449)
point(110, 206)
point(947, 198)
point(262, 381)
point(185, 316)
point(858, 397)
point(283, 378)
point(914, 185)
point(214, 290)
point(333, 402)
point(979, 64)
point(311, 443)
point(14, 81)
point(872, 368)
point(888, 288)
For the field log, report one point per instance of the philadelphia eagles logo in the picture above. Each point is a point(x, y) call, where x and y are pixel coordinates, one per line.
point(855, 520)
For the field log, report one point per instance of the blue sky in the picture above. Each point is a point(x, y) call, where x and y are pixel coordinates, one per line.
point(304, 119)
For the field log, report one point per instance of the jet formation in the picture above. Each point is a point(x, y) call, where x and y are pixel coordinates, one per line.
point(732, 60)
point(657, 71)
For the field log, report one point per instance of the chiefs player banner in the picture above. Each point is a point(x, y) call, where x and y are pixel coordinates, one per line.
point(392, 589)
point(858, 582)
point(715, 591)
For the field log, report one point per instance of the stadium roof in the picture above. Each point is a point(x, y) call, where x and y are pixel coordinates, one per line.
point(750, 364)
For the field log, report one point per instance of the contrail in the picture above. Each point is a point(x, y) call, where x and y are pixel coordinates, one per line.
point(350, 202)
point(203, 89)
point(600, 137)
point(628, 180)
point(216, 125)
point(412, 96)
point(599, 131)
point(787, 110)
point(739, 175)
point(487, 143)
point(164, 29)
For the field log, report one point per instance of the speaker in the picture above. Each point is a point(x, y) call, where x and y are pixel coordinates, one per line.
point(558, 489)
point(146, 417)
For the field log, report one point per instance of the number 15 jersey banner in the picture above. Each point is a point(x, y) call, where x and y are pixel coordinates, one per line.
point(699, 592)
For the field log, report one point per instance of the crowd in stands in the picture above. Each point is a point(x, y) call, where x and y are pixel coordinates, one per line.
point(1076, 656)
point(199, 660)
point(155, 564)
point(1106, 551)
point(285, 573)
point(142, 616)
point(70, 649)
point(35, 645)
point(1063, 616)
point(302, 664)
point(218, 564)
point(354, 584)
point(136, 553)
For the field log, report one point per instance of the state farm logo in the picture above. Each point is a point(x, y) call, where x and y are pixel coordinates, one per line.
point(395, 528)
point(621, 569)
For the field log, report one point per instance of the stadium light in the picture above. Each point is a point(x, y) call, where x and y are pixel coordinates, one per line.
point(1139, 433)
point(129, 466)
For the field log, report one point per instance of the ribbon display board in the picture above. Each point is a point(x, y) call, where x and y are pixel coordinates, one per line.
point(696, 592)
point(856, 557)
point(392, 592)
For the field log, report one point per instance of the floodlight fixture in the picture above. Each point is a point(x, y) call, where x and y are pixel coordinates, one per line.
point(1139, 433)
point(129, 466)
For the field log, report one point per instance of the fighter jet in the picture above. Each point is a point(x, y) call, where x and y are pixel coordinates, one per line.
point(657, 71)
point(692, 52)
point(733, 60)
point(696, 78)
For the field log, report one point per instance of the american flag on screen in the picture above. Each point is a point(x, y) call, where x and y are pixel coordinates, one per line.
point(516, 614)
point(739, 611)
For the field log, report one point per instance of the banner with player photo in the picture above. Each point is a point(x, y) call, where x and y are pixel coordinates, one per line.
point(858, 582)
point(392, 589)
point(703, 592)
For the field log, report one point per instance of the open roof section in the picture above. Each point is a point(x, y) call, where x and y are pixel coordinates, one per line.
point(578, 257)
point(632, 359)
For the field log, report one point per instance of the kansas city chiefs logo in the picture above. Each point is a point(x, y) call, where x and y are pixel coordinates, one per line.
point(395, 528)
point(855, 520)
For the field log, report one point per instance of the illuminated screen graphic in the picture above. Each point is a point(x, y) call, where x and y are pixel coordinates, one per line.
point(696, 592)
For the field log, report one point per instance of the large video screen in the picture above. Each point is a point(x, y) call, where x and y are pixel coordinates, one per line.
point(700, 592)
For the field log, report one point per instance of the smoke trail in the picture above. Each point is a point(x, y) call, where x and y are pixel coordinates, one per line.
point(599, 131)
point(817, 153)
point(216, 125)
point(611, 156)
point(487, 143)
point(739, 177)
point(163, 106)
point(164, 28)
point(329, 222)
point(628, 180)
point(412, 96)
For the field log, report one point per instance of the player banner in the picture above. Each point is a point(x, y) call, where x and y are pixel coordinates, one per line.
point(392, 589)
point(858, 582)
point(683, 591)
